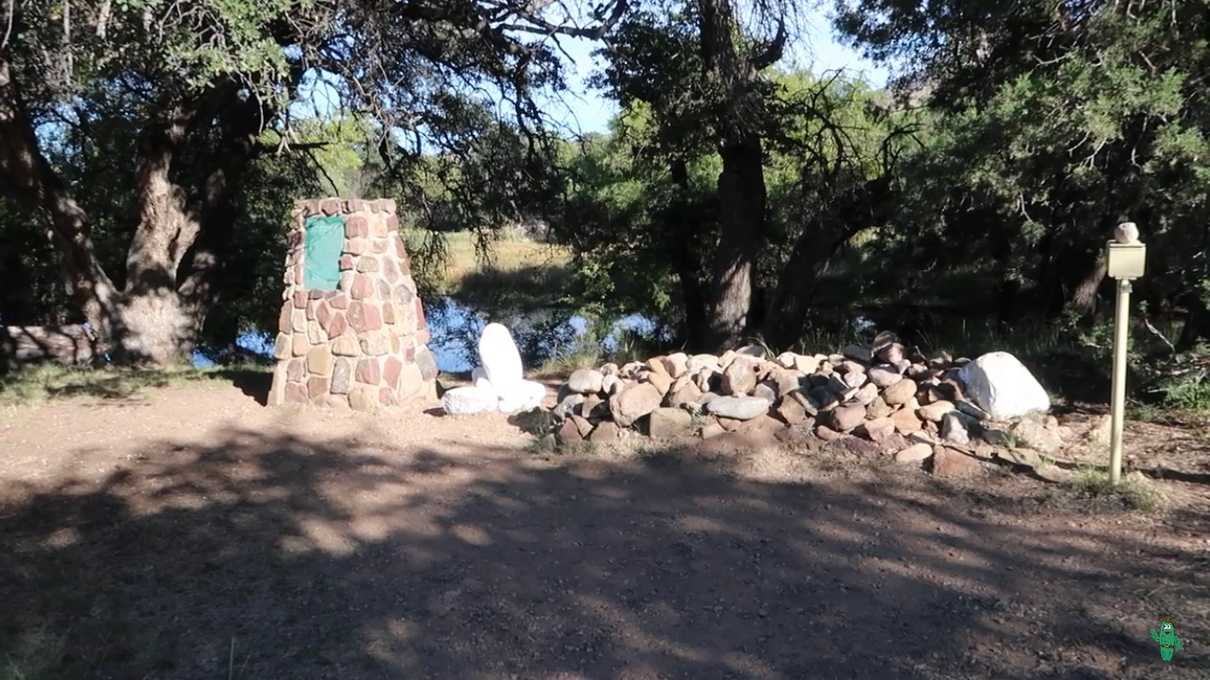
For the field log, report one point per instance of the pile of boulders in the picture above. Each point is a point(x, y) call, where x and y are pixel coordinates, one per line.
point(901, 402)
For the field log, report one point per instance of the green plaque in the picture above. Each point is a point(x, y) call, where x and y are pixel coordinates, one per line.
point(324, 242)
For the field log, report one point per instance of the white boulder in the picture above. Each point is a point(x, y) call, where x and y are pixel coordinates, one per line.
point(522, 396)
point(1002, 386)
point(462, 401)
point(500, 359)
point(479, 379)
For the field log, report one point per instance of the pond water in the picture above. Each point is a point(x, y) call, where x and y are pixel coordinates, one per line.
point(455, 327)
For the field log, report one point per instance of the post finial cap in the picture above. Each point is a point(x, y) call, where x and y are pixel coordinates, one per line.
point(1126, 232)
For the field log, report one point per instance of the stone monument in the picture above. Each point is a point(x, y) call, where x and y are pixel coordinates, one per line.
point(352, 331)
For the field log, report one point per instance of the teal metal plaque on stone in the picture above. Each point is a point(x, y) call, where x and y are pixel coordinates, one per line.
point(324, 242)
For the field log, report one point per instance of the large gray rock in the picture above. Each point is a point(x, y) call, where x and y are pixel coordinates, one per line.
point(900, 393)
point(1034, 434)
point(676, 364)
point(739, 408)
point(1003, 386)
point(500, 359)
point(670, 423)
point(935, 411)
point(845, 418)
point(884, 376)
point(633, 402)
point(699, 361)
point(462, 401)
point(585, 381)
point(740, 376)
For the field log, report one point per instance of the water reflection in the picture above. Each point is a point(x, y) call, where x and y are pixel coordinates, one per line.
point(540, 334)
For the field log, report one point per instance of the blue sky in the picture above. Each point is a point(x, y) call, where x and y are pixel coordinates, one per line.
point(584, 110)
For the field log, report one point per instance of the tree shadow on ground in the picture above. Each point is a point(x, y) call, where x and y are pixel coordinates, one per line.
point(266, 556)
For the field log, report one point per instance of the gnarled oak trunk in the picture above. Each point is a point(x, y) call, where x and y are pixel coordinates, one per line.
point(156, 317)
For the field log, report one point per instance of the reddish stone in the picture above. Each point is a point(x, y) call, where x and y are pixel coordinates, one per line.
point(357, 246)
point(336, 325)
point(367, 263)
point(400, 250)
point(362, 287)
point(317, 387)
point(346, 262)
point(356, 205)
point(312, 307)
point(379, 246)
point(392, 224)
point(295, 370)
point(364, 316)
point(390, 371)
point(947, 462)
point(368, 372)
point(390, 270)
point(384, 289)
point(300, 299)
point(378, 229)
point(409, 354)
point(323, 314)
point(298, 276)
point(357, 226)
point(330, 206)
point(388, 313)
point(283, 321)
point(339, 301)
point(386, 397)
point(315, 294)
point(296, 393)
point(386, 205)
point(423, 336)
point(295, 239)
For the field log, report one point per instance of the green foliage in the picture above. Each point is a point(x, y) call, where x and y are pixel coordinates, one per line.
point(1050, 125)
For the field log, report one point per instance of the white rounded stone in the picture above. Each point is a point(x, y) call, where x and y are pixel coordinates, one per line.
point(462, 401)
point(500, 359)
point(1001, 385)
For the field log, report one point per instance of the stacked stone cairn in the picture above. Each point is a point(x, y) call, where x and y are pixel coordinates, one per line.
point(902, 406)
point(363, 345)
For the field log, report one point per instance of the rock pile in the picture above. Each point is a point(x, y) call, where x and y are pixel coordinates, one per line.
point(499, 379)
point(906, 406)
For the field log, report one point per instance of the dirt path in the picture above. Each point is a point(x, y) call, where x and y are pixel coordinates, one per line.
point(195, 534)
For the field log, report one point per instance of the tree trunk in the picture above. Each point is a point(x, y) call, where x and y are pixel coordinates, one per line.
point(863, 206)
point(741, 195)
point(741, 184)
point(1083, 301)
point(27, 178)
point(155, 318)
point(686, 260)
